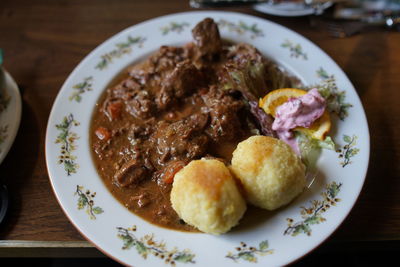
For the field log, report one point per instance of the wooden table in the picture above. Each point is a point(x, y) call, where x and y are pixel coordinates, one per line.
point(44, 40)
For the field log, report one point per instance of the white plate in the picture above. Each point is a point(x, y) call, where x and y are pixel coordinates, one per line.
point(10, 117)
point(289, 9)
point(277, 237)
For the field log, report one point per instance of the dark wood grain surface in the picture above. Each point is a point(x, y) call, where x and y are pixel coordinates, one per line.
point(44, 40)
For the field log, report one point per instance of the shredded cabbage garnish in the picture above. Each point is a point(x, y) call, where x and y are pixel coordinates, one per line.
point(310, 148)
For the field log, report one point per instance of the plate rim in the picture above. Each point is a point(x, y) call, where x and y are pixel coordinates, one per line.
point(205, 13)
point(11, 86)
point(269, 9)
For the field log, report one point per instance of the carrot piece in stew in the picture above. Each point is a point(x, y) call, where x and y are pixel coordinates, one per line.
point(103, 134)
point(172, 169)
point(114, 110)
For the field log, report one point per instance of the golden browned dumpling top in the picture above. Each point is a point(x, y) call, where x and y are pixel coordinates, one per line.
point(205, 195)
point(271, 173)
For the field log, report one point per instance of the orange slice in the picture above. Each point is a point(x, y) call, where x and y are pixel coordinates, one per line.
point(274, 99)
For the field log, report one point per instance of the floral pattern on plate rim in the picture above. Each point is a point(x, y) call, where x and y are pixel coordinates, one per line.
point(67, 140)
point(85, 200)
point(349, 150)
point(249, 254)
point(119, 51)
point(241, 28)
point(335, 98)
point(80, 88)
point(336, 104)
point(296, 50)
point(313, 215)
point(147, 245)
point(174, 27)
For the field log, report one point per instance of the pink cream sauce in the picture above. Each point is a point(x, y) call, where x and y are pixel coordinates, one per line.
point(301, 111)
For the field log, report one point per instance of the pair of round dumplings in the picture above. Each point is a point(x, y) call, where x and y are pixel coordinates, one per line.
point(206, 195)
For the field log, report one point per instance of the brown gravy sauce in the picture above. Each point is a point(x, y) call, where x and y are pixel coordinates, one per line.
point(157, 207)
point(177, 105)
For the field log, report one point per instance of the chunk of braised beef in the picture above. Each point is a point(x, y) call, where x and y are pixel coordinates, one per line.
point(183, 80)
point(225, 124)
point(198, 121)
point(131, 172)
point(190, 142)
point(224, 111)
point(198, 146)
point(181, 140)
point(166, 58)
point(140, 105)
point(132, 83)
point(190, 126)
point(138, 102)
point(164, 98)
point(126, 89)
point(140, 130)
point(207, 38)
point(140, 76)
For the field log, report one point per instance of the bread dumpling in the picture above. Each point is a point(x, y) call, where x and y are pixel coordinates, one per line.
point(271, 173)
point(205, 195)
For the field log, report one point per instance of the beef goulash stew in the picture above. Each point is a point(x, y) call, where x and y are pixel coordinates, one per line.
point(180, 104)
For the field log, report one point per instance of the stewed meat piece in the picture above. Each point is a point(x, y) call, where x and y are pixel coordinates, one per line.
point(131, 173)
point(182, 140)
point(181, 82)
point(207, 38)
point(141, 105)
point(225, 115)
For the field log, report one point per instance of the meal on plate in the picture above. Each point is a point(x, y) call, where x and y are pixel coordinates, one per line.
point(188, 136)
